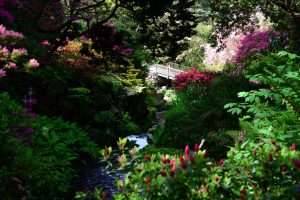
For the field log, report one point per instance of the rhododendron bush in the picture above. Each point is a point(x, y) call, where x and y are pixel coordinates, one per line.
point(226, 49)
point(256, 41)
point(183, 79)
point(11, 57)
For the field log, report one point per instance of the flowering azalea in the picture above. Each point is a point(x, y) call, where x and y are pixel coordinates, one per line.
point(2, 73)
point(33, 63)
point(19, 52)
point(11, 65)
point(45, 43)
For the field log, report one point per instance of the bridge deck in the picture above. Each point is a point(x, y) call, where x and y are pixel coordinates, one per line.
point(165, 71)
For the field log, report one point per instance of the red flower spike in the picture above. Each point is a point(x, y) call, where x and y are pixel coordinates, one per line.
point(147, 181)
point(221, 162)
point(181, 157)
point(172, 173)
point(217, 179)
point(205, 154)
point(296, 163)
point(192, 159)
point(203, 183)
point(276, 149)
point(183, 164)
point(163, 173)
point(244, 191)
point(174, 167)
point(270, 156)
point(293, 147)
point(148, 157)
point(273, 142)
point(164, 160)
point(283, 169)
point(187, 150)
point(255, 152)
point(138, 169)
point(196, 147)
point(187, 157)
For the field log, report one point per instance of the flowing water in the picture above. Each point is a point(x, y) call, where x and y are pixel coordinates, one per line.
point(97, 175)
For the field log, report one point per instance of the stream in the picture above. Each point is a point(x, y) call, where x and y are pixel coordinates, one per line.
point(97, 175)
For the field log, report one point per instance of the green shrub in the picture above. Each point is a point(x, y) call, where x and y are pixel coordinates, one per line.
point(38, 153)
point(266, 170)
point(197, 113)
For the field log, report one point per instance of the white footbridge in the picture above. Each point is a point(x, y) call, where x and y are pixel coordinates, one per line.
point(167, 71)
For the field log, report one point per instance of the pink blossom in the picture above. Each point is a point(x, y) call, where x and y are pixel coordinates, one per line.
point(45, 43)
point(33, 63)
point(2, 73)
point(116, 48)
point(4, 52)
point(19, 52)
point(187, 149)
point(9, 35)
point(11, 65)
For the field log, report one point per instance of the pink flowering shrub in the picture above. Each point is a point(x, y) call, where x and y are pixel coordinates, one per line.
point(217, 56)
point(255, 42)
point(192, 76)
point(9, 55)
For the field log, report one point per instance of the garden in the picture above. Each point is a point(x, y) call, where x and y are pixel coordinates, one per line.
point(85, 113)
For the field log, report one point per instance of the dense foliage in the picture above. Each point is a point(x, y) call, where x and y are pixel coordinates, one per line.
point(38, 153)
point(74, 76)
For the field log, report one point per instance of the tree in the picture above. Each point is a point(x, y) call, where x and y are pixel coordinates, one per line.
point(167, 35)
point(232, 14)
point(165, 22)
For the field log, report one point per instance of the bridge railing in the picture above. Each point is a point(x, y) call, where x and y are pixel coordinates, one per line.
point(166, 71)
